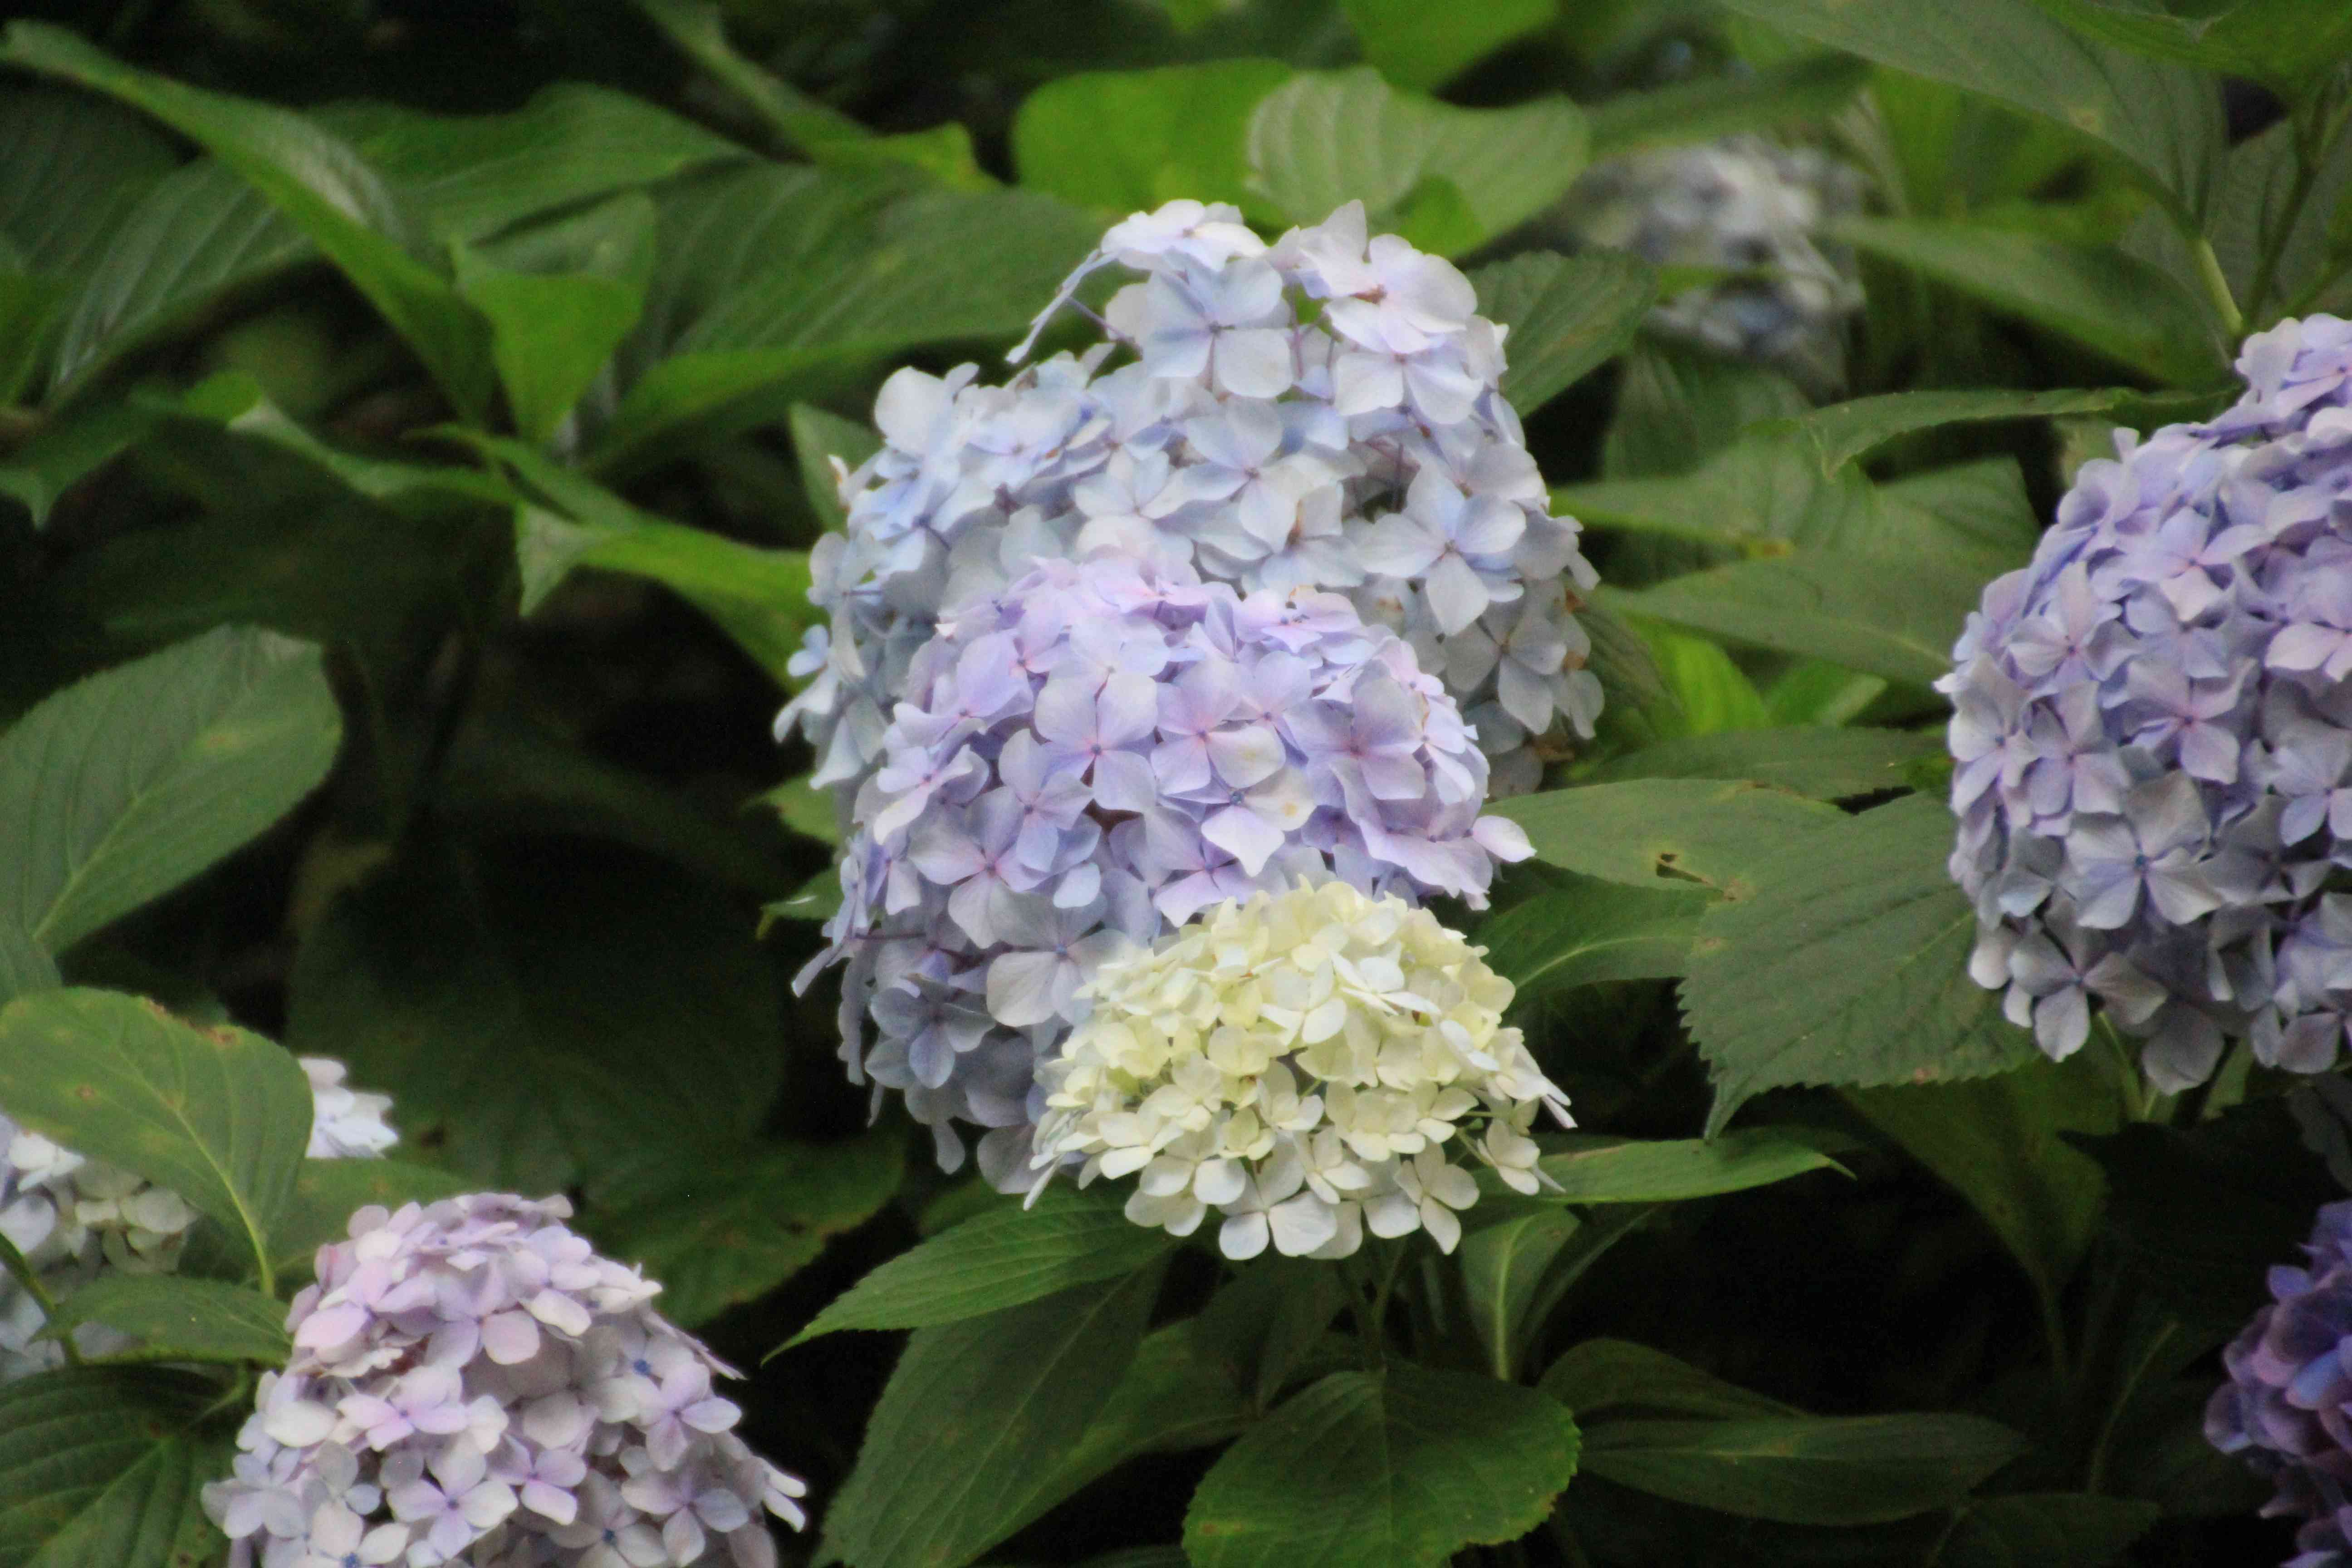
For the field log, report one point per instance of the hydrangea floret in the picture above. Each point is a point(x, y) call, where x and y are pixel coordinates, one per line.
point(2288, 1406)
point(1305, 1063)
point(2153, 735)
point(73, 1218)
point(1751, 207)
point(472, 1383)
point(1094, 754)
point(1324, 412)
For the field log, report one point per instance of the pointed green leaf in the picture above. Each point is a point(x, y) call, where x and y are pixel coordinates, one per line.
point(1403, 1467)
point(2290, 45)
point(1589, 934)
point(176, 1319)
point(560, 299)
point(1819, 763)
point(73, 170)
point(1596, 1170)
point(1611, 1375)
point(122, 786)
point(1566, 315)
point(1805, 1469)
point(2045, 1530)
point(1503, 1267)
point(219, 1116)
point(96, 1471)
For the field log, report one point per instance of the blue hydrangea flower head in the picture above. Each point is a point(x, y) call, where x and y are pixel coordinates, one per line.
point(2153, 732)
point(1089, 756)
point(2287, 1407)
point(1324, 412)
point(471, 1384)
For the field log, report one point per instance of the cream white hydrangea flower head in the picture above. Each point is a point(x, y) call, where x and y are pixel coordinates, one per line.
point(1305, 1063)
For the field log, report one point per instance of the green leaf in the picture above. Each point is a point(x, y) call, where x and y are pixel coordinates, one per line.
point(816, 900)
point(1621, 658)
point(1805, 1469)
point(1502, 1270)
point(2286, 44)
point(1996, 1140)
point(237, 403)
point(1403, 1467)
point(2251, 213)
point(1566, 315)
point(1983, 503)
point(2166, 121)
point(317, 179)
point(1880, 615)
point(1845, 431)
point(1611, 1375)
point(1667, 835)
point(1424, 47)
point(66, 449)
point(177, 1318)
point(1133, 139)
point(1711, 693)
point(819, 440)
point(1804, 87)
point(96, 1471)
point(1848, 966)
point(972, 1416)
point(997, 1259)
point(2100, 297)
point(1327, 138)
point(559, 300)
point(1590, 932)
point(1607, 1171)
point(1819, 763)
point(327, 1192)
point(700, 31)
point(74, 169)
point(219, 1116)
point(24, 965)
point(122, 786)
point(713, 1243)
point(544, 1019)
point(2045, 1530)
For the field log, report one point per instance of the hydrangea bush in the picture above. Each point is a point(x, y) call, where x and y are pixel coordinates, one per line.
point(2153, 735)
point(1304, 1062)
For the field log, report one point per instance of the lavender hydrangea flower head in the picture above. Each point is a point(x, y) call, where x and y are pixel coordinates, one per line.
point(1093, 755)
point(472, 1383)
point(2152, 734)
point(2287, 1407)
point(75, 1218)
point(1744, 204)
point(1304, 1062)
point(1321, 413)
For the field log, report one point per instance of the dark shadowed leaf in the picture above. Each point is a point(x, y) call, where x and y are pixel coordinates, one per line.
point(1611, 1375)
point(559, 299)
point(1806, 87)
point(2284, 44)
point(2045, 1530)
point(1805, 1469)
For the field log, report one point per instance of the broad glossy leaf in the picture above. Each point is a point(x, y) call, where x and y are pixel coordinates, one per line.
point(327, 1192)
point(1589, 934)
point(1880, 615)
point(542, 1019)
point(318, 180)
point(73, 170)
point(96, 1470)
point(1820, 764)
point(1612, 1374)
point(1663, 835)
point(122, 786)
point(560, 300)
point(2100, 297)
point(1403, 1467)
point(1805, 1469)
point(1805, 87)
point(1001, 1259)
point(1849, 966)
point(2045, 1530)
point(973, 1413)
point(714, 1241)
point(1611, 1171)
point(1421, 46)
point(219, 1116)
point(1568, 315)
point(1133, 139)
point(2164, 119)
point(2284, 44)
point(177, 1318)
point(1328, 138)
point(1503, 1267)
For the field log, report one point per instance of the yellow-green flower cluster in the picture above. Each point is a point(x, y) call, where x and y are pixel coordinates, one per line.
point(1304, 1062)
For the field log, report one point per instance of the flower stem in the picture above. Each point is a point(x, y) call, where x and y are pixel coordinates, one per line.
point(21, 1269)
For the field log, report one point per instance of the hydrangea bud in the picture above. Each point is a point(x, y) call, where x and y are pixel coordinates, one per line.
point(2287, 1407)
point(1303, 1062)
point(1094, 755)
point(1321, 413)
point(2153, 735)
point(472, 1383)
point(1752, 208)
point(74, 1218)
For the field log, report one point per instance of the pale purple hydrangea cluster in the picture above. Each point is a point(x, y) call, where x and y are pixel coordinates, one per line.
point(74, 1218)
point(1321, 413)
point(1090, 756)
point(2153, 735)
point(471, 1384)
point(2287, 1407)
